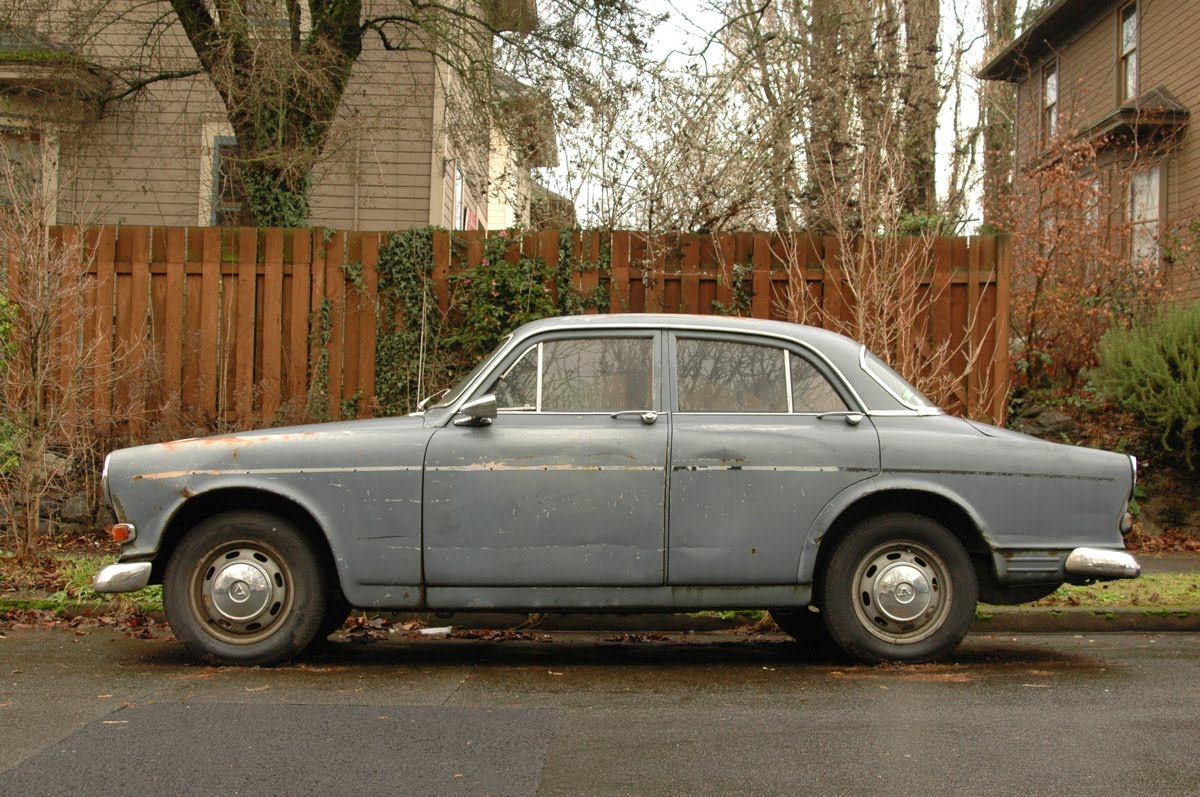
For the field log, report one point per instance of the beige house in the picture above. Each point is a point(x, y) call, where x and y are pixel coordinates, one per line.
point(153, 157)
point(1122, 74)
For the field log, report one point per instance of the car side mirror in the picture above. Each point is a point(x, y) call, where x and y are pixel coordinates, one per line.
point(477, 412)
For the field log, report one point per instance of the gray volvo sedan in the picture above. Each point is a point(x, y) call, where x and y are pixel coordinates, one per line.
point(650, 463)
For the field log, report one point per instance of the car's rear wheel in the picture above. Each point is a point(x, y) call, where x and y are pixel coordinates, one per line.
point(899, 587)
point(244, 588)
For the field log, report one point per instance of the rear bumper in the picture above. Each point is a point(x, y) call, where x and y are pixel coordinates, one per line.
point(122, 577)
point(1101, 563)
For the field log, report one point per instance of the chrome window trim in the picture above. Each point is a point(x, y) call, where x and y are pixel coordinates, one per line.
point(514, 342)
point(787, 381)
point(538, 400)
point(912, 408)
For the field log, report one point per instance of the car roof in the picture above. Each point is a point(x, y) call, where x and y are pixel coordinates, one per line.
point(832, 343)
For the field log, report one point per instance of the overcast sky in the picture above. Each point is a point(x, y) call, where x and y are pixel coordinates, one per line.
point(690, 23)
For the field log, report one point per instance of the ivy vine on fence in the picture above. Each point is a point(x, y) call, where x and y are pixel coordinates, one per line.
point(420, 348)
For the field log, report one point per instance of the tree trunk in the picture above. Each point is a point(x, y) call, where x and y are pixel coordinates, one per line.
point(998, 107)
point(920, 101)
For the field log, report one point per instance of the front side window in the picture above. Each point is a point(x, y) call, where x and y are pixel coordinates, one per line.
point(604, 374)
point(1144, 215)
point(1129, 54)
point(1049, 102)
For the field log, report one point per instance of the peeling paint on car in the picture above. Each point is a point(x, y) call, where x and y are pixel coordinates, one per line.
point(599, 509)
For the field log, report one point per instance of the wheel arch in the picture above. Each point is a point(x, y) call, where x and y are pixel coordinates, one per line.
point(937, 505)
point(204, 505)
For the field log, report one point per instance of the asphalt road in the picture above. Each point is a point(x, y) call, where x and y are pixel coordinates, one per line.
point(706, 714)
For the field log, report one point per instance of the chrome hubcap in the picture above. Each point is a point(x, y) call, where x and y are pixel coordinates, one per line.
point(902, 592)
point(243, 592)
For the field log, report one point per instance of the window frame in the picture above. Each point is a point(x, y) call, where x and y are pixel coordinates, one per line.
point(46, 162)
point(519, 352)
point(790, 351)
point(1128, 53)
point(1048, 115)
point(220, 143)
point(1155, 223)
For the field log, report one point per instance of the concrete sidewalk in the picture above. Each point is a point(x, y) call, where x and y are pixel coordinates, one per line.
point(1169, 562)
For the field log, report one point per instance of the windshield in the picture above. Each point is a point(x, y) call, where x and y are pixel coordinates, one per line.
point(458, 389)
point(895, 384)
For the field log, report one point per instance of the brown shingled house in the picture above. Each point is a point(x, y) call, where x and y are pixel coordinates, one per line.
point(1123, 74)
point(154, 157)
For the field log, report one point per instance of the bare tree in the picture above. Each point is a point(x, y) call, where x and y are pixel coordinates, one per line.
point(281, 68)
point(997, 106)
point(47, 371)
point(792, 92)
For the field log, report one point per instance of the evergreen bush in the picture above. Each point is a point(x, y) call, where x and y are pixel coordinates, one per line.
point(1153, 370)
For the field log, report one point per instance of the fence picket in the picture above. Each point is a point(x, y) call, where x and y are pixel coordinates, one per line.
point(241, 340)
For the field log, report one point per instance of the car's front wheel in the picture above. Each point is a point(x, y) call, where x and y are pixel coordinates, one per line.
point(244, 588)
point(899, 587)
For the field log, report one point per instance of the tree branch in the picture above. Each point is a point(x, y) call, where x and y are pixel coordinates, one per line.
point(138, 85)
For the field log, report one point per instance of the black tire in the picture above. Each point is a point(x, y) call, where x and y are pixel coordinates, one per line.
point(807, 627)
point(244, 588)
point(337, 609)
point(898, 587)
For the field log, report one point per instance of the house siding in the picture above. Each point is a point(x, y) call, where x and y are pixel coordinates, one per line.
point(1089, 71)
point(145, 161)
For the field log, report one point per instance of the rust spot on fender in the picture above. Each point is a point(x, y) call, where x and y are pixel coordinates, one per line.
point(187, 493)
point(176, 474)
point(229, 440)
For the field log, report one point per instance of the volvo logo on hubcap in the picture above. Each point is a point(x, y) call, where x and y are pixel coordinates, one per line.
point(239, 591)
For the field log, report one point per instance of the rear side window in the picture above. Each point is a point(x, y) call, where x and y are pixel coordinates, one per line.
point(723, 376)
point(729, 376)
point(811, 391)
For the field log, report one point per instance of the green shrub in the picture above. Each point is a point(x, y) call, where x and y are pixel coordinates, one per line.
point(1154, 371)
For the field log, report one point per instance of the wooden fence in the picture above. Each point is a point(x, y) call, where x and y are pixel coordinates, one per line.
point(224, 320)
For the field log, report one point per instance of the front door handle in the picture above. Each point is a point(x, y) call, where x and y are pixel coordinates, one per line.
point(647, 417)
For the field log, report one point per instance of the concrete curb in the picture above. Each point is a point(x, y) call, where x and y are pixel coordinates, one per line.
point(1080, 620)
point(989, 620)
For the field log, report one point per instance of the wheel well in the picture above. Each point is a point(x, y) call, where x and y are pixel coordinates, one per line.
point(206, 505)
point(930, 505)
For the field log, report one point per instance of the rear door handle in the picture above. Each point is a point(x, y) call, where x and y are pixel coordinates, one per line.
point(647, 417)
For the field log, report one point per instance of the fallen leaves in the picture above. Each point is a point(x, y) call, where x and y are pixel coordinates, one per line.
point(637, 639)
point(135, 625)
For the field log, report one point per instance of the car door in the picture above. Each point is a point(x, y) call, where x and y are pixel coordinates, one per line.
point(567, 486)
point(762, 439)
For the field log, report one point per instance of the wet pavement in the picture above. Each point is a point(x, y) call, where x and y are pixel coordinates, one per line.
point(574, 713)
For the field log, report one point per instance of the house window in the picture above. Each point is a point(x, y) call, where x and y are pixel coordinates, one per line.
point(459, 222)
point(1049, 102)
point(226, 209)
point(1129, 59)
point(20, 166)
point(1144, 215)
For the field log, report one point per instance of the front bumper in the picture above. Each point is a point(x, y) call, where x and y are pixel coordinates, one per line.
point(122, 577)
point(1101, 563)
